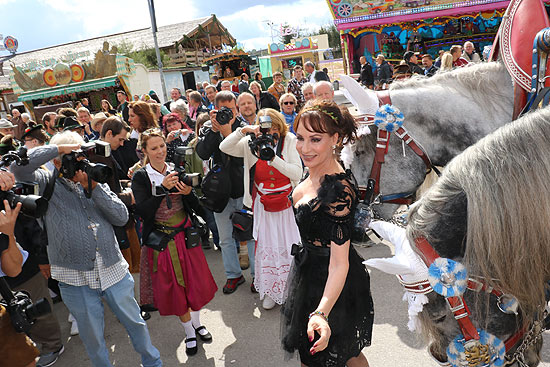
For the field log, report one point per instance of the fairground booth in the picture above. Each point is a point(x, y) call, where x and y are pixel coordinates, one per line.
point(391, 27)
point(49, 83)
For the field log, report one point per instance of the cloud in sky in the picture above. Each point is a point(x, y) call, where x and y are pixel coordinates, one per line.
point(100, 17)
point(53, 22)
point(249, 26)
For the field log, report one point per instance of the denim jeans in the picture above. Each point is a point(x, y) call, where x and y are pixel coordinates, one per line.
point(86, 306)
point(211, 223)
point(228, 245)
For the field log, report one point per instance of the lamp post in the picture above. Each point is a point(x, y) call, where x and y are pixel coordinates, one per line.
point(159, 61)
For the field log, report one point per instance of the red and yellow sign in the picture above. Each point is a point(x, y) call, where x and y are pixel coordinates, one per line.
point(49, 78)
point(77, 72)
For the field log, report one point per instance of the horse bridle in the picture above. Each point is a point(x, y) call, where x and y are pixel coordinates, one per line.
point(371, 193)
point(475, 350)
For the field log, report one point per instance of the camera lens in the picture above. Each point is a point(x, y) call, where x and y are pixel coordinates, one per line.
point(98, 172)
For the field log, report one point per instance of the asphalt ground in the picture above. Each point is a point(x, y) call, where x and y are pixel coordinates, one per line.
point(246, 335)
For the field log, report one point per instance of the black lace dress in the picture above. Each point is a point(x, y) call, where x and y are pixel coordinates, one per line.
point(325, 219)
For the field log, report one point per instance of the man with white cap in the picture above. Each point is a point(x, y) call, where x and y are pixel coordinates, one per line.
point(6, 127)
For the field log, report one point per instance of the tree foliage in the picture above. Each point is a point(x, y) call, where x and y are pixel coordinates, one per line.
point(145, 56)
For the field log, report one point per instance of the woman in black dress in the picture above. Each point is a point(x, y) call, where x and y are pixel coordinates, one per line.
point(328, 314)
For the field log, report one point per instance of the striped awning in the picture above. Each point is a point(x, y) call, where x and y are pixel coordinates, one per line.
point(68, 89)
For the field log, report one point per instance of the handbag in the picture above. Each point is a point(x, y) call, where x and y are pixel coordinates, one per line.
point(216, 187)
point(276, 201)
point(198, 229)
point(158, 239)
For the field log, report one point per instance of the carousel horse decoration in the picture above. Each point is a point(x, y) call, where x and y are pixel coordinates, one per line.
point(474, 256)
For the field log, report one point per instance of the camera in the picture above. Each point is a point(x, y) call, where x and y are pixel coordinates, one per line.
point(190, 179)
point(25, 193)
point(23, 312)
point(224, 115)
point(98, 172)
point(263, 146)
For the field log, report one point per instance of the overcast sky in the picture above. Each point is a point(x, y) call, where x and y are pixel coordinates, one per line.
point(42, 23)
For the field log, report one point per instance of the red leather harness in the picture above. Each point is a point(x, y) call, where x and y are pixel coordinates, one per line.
point(382, 146)
point(458, 305)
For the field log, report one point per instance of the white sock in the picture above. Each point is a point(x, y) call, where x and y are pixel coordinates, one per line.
point(196, 320)
point(189, 333)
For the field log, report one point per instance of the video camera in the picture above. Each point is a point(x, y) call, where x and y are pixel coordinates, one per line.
point(224, 115)
point(263, 146)
point(98, 172)
point(23, 312)
point(26, 193)
point(190, 179)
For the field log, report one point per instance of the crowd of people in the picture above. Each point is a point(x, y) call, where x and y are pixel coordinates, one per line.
point(272, 191)
point(384, 73)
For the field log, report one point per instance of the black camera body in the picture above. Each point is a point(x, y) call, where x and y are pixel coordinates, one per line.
point(72, 162)
point(23, 312)
point(190, 179)
point(26, 193)
point(263, 146)
point(224, 115)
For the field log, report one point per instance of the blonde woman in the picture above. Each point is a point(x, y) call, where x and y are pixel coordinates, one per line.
point(274, 227)
point(446, 62)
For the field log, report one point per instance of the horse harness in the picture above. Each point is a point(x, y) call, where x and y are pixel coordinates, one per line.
point(388, 123)
point(473, 347)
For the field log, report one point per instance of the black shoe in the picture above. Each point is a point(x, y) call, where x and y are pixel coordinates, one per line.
point(148, 308)
point(145, 315)
point(252, 287)
point(206, 337)
point(191, 351)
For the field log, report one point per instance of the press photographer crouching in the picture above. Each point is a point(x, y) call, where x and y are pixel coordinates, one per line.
point(83, 252)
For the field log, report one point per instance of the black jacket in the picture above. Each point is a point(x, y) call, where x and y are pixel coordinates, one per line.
point(415, 69)
point(147, 204)
point(384, 72)
point(209, 146)
point(33, 239)
point(431, 71)
point(366, 77)
point(268, 100)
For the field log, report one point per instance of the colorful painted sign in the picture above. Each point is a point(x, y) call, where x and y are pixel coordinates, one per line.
point(62, 73)
point(77, 73)
point(298, 45)
point(49, 78)
point(10, 44)
point(352, 11)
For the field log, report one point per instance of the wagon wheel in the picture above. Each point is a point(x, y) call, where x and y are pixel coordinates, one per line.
point(344, 10)
point(376, 11)
point(427, 2)
point(390, 7)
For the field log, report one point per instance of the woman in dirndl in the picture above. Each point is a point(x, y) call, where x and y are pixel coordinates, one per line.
point(274, 227)
point(182, 281)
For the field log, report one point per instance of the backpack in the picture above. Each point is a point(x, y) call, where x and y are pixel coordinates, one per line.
point(216, 187)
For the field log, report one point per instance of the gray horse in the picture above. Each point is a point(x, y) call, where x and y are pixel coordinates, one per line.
point(445, 114)
point(489, 212)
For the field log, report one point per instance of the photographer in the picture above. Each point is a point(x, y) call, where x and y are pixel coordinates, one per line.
point(269, 152)
point(182, 282)
point(211, 135)
point(16, 350)
point(115, 132)
point(83, 253)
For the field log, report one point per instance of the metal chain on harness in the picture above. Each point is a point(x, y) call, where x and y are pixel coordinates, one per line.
point(530, 338)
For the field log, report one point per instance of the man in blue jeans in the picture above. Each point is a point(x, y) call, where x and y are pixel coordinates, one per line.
point(84, 254)
point(211, 135)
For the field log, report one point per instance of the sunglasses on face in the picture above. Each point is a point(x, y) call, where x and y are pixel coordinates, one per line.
point(288, 103)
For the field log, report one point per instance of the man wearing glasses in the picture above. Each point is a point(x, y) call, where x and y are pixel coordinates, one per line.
point(295, 86)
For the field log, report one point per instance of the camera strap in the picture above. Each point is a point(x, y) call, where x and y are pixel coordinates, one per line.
point(252, 171)
point(50, 186)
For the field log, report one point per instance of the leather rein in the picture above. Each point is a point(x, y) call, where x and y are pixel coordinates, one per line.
point(371, 193)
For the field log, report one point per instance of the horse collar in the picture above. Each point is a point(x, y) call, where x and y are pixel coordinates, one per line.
point(473, 347)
